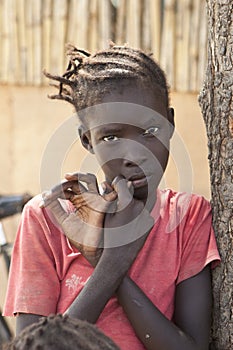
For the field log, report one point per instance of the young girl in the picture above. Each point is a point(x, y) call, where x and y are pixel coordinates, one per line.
point(134, 260)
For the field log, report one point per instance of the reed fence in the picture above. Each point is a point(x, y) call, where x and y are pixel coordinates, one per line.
point(33, 34)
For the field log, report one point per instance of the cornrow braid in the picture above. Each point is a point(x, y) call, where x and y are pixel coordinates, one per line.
point(145, 62)
point(90, 76)
point(58, 332)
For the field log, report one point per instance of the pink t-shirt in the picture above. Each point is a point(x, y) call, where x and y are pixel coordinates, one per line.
point(47, 272)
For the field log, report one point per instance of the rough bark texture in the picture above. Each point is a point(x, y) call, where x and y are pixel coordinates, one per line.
point(217, 108)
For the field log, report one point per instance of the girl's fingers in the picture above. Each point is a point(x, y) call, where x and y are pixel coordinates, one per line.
point(65, 190)
point(71, 176)
point(73, 190)
point(110, 197)
point(89, 179)
point(58, 212)
point(107, 188)
point(109, 194)
point(120, 185)
point(59, 189)
point(77, 187)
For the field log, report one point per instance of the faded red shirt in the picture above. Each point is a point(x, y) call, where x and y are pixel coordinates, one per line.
point(47, 273)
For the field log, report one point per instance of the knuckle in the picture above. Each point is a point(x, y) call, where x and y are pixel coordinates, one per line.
point(57, 188)
point(117, 179)
point(91, 177)
point(46, 194)
point(74, 175)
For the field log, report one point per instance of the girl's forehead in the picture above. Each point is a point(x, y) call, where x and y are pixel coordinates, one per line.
point(122, 113)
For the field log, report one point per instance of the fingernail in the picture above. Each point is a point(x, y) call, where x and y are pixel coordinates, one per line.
point(117, 179)
point(129, 184)
point(42, 204)
point(47, 194)
point(130, 187)
point(103, 186)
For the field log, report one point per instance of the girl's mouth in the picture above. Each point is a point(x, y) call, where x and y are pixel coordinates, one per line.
point(139, 182)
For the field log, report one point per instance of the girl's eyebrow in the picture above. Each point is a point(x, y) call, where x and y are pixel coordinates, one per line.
point(109, 129)
point(106, 130)
point(155, 119)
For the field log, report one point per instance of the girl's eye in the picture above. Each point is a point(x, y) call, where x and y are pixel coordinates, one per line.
point(151, 131)
point(110, 138)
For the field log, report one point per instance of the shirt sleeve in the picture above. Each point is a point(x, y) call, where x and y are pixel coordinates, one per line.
point(199, 247)
point(33, 285)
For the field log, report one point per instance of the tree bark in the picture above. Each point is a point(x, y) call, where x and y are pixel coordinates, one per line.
point(217, 108)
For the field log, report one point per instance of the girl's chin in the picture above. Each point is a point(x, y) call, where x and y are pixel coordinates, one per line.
point(145, 195)
point(141, 193)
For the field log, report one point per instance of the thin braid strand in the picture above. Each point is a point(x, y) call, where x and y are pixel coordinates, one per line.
point(88, 77)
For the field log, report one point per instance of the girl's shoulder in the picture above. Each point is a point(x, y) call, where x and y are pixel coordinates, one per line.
point(180, 209)
point(182, 200)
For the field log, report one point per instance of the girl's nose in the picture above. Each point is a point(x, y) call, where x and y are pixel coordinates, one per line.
point(134, 156)
point(129, 163)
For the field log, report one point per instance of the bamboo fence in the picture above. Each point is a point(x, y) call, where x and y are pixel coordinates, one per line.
point(33, 34)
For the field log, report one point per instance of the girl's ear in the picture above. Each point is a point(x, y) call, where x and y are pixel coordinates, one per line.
point(85, 138)
point(171, 114)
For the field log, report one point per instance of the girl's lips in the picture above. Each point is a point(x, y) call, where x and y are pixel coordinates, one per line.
point(140, 182)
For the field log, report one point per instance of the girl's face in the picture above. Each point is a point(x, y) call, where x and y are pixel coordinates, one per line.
point(129, 134)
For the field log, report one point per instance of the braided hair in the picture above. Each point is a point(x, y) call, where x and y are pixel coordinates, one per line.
point(58, 332)
point(90, 76)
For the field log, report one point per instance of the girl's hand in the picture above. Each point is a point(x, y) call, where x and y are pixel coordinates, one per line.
point(125, 229)
point(84, 227)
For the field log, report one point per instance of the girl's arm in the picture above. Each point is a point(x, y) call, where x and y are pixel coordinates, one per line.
point(99, 288)
point(24, 320)
point(190, 330)
point(192, 309)
point(116, 258)
point(192, 316)
point(105, 280)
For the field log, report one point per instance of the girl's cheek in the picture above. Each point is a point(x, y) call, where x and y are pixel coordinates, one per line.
point(107, 153)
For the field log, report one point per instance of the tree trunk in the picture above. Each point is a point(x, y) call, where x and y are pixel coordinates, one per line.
point(217, 108)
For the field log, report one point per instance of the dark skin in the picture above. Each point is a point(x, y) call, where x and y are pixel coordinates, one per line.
point(189, 329)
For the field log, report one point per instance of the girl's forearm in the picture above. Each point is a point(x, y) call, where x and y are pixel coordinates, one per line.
point(112, 267)
point(99, 288)
point(153, 329)
point(91, 301)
